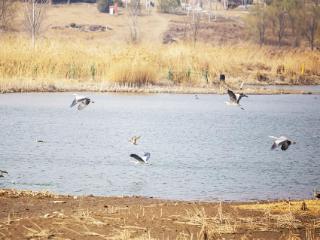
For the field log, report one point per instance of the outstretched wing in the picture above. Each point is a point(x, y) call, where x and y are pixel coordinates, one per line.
point(137, 157)
point(232, 96)
point(241, 85)
point(241, 96)
point(74, 102)
point(146, 156)
point(274, 146)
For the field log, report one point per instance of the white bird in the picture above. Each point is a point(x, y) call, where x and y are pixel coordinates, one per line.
point(143, 159)
point(235, 99)
point(282, 141)
point(196, 97)
point(134, 140)
point(81, 100)
point(3, 172)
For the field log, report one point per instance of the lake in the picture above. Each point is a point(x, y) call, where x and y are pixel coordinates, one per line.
point(200, 149)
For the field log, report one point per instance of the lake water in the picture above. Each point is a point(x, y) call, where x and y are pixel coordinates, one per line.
point(200, 149)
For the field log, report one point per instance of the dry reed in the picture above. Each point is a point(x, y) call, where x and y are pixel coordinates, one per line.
point(57, 62)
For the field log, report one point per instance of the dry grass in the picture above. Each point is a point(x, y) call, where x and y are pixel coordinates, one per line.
point(56, 63)
point(284, 207)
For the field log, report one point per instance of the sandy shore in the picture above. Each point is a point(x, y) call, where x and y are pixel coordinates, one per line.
point(87, 87)
point(43, 215)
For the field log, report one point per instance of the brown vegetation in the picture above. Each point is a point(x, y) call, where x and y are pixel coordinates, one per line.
point(42, 215)
point(65, 59)
point(63, 65)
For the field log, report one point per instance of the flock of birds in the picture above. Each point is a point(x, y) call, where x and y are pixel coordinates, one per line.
point(234, 100)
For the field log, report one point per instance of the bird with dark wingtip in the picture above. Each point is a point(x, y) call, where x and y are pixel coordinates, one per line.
point(142, 159)
point(2, 172)
point(82, 101)
point(234, 99)
point(282, 142)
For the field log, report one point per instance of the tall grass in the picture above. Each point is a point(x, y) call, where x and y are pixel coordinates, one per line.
point(137, 65)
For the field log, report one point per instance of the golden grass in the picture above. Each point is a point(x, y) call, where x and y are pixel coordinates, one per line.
point(313, 207)
point(57, 62)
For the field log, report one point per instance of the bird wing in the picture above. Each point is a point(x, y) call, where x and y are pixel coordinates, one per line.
point(274, 146)
point(137, 157)
point(82, 105)
point(281, 140)
point(232, 96)
point(146, 156)
point(273, 137)
point(241, 85)
point(2, 171)
point(74, 102)
point(79, 97)
point(239, 96)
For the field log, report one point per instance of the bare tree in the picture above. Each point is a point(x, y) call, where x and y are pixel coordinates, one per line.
point(7, 13)
point(295, 15)
point(134, 12)
point(279, 13)
point(312, 21)
point(195, 25)
point(258, 18)
point(34, 14)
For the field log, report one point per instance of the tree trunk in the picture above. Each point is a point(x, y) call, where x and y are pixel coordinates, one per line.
point(33, 30)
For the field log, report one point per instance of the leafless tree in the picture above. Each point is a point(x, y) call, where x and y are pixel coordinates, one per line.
point(7, 13)
point(34, 13)
point(279, 12)
point(134, 11)
point(312, 22)
point(195, 25)
point(258, 18)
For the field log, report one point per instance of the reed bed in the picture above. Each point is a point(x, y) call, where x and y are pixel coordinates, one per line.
point(62, 63)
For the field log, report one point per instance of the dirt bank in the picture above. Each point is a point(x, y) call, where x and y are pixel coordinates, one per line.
point(42, 215)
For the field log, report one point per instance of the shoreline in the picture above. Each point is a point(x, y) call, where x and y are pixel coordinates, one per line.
point(154, 89)
point(44, 215)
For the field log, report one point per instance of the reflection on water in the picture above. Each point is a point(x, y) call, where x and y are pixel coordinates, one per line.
point(200, 149)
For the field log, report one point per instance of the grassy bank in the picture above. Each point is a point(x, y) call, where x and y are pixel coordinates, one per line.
point(43, 215)
point(68, 65)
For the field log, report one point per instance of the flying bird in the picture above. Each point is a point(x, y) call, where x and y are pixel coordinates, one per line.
point(143, 159)
point(316, 194)
point(235, 99)
point(282, 142)
point(81, 100)
point(134, 140)
point(3, 172)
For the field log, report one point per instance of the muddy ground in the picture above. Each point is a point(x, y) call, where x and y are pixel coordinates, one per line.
point(42, 215)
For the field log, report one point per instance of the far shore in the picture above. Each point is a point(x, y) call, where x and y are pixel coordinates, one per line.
point(44, 215)
point(90, 87)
